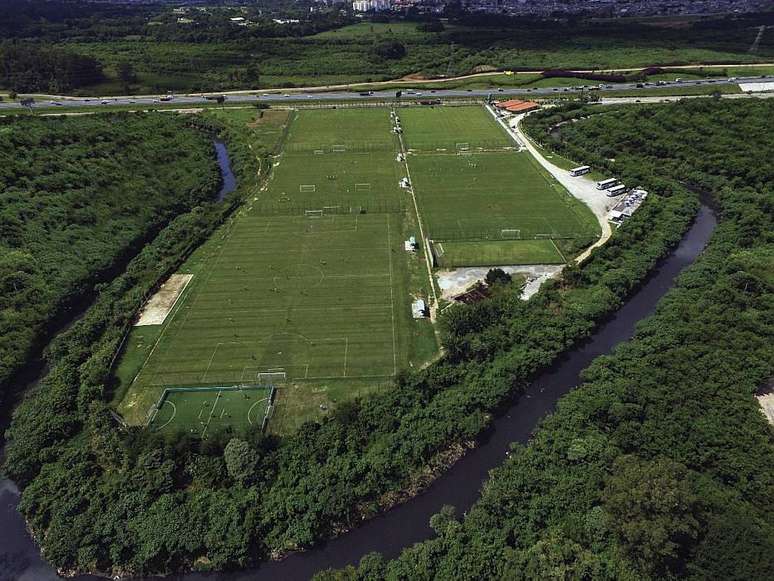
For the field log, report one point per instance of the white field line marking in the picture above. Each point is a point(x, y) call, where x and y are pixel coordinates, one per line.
point(169, 421)
point(212, 411)
point(331, 377)
point(419, 223)
point(214, 351)
point(392, 300)
point(252, 407)
point(346, 351)
point(180, 303)
point(559, 251)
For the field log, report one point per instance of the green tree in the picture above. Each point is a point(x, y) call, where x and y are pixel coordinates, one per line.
point(652, 511)
point(241, 460)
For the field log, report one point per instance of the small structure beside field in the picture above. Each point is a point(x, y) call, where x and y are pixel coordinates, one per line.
point(517, 106)
point(419, 309)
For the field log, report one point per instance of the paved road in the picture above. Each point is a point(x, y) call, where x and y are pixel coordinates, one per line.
point(407, 93)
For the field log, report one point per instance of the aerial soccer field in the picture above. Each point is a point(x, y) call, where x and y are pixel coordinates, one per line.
point(473, 185)
point(308, 288)
point(317, 293)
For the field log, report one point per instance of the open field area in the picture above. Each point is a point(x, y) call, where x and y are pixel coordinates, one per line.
point(497, 253)
point(310, 279)
point(452, 129)
point(498, 195)
point(322, 296)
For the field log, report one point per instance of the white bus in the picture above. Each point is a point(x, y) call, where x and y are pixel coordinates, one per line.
point(617, 190)
point(606, 184)
point(579, 171)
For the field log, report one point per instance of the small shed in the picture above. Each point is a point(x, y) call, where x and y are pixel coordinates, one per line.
point(419, 309)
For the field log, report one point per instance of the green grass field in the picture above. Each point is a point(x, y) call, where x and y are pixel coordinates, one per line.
point(206, 410)
point(495, 195)
point(497, 253)
point(361, 130)
point(451, 128)
point(324, 298)
point(314, 282)
point(476, 197)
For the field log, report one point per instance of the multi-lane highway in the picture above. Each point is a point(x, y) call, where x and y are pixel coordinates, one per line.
point(312, 95)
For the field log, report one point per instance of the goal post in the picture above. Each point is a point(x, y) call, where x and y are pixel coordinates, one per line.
point(510, 233)
point(338, 148)
point(318, 152)
point(307, 188)
point(313, 213)
point(271, 377)
point(365, 187)
point(464, 146)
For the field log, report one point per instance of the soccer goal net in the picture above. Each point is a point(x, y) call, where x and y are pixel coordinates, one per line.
point(543, 236)
point(271, 377)
point(338, 148)
point(463, 146)
point(307, 188)
point(510, 233)
point(313, 213)
point(362, 187)
point(318, 152)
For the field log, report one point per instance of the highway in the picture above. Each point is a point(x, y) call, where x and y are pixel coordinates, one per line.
point(316, 95)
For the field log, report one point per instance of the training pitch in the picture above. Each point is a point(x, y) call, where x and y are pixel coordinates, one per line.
point(487, 192)
point(318, 289)
point(201, 411)
point(310, 279)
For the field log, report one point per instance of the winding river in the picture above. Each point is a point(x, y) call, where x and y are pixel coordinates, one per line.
point(409, 523)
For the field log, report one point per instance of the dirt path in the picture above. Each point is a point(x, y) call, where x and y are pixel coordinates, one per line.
point(582, 188)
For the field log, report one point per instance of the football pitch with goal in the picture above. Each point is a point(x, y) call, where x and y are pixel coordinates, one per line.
point(310, 282)
point(497, 195)
point(321, 295)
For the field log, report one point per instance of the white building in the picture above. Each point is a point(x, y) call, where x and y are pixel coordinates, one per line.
point(369, 5)
point(419, 309)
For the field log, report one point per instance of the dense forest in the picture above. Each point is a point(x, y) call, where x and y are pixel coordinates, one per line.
point(144, 48)
point(101, 498)
point(78, 197)
point(47, 70)
point(659, 466)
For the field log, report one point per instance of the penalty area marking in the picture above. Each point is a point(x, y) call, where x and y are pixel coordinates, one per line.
point(252, 407)
point(169, 421)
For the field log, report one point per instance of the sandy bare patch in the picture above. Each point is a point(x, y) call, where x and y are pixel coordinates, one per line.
point(458, 280)
point(767, 404)
point(756, 87)
point(160, 304)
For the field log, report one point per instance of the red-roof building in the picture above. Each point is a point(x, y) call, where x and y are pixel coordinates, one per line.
point(517, 106)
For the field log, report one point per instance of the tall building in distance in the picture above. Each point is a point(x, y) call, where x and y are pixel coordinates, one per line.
point(371, 5)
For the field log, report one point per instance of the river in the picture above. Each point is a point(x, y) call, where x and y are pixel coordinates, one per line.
point(408, 523)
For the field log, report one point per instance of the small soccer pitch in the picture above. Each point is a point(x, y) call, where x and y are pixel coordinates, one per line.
point(199, 411)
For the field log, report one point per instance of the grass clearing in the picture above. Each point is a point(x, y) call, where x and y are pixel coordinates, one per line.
point(476, 197)
point(497, 253)
point(325, 298)
point(451, 129)
point(497, 195)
